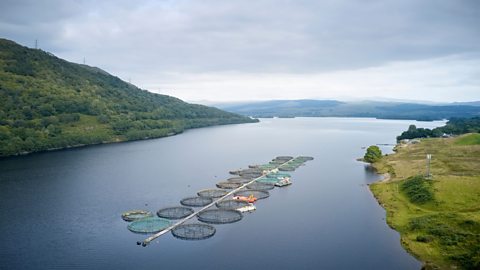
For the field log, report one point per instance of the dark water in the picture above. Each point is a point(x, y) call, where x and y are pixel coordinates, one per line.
point(62, 209)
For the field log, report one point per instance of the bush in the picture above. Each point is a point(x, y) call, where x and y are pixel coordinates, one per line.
point(468, 260)
point(69, 118)
point(103, 119)
point(417, 189)
point(424, 238)
point(420, 223)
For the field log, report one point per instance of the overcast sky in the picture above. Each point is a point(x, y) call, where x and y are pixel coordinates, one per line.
point(256, 50)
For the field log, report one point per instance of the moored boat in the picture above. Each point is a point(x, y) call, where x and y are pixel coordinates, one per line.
point(247, 208)
point(284, 182)
point(249, 199)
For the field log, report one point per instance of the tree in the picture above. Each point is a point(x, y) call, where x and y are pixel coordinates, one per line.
point(5, 133)
point(373, 154)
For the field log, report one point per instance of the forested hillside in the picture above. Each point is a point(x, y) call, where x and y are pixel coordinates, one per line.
point(334, 108)
point(454, 126)
point(48, 103)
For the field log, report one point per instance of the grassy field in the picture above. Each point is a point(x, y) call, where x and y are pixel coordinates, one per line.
point(438, 218)
point(471, 139)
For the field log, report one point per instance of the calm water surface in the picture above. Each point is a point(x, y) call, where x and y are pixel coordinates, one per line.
point(62, 209)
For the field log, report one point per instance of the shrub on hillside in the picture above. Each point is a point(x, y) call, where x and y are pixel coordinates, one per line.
point(417, 189)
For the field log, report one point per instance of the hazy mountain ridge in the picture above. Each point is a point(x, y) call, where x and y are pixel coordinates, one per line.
point(48, 103)
point(334, 108)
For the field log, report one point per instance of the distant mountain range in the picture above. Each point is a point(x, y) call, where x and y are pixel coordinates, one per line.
point(335, 108)
point(472, 103)
point(49, 103)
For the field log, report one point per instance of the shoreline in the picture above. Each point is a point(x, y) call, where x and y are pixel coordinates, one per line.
point(442, 232)
point(114, 141)
point(385, 178)
point(77, 146)
point(403, 244)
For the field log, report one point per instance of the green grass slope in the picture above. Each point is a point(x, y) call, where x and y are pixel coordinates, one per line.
point(438, 218)
point(49, 103)
point(470, 139)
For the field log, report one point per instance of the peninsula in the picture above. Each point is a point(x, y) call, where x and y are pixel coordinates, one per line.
point(437, 216)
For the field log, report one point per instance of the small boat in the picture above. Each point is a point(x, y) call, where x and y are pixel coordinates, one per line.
point(247, 208)
point(249, 199)
point(284, 182)
point(135, 215)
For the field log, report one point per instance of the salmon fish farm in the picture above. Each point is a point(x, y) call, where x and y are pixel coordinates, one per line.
point(194, 218)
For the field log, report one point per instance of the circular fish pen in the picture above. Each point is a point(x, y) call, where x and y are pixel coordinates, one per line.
point(296, 163)
point(259, 194)
point(248, 184)
point(284, 158)
point(287, 169)
point(261, 186)
point(231, 204)
point(267, 166)
point(212, 193)
point(234, 172)
point(196, 201)
point(149, 225)
point(251, 175)
point(271, 180)
point(135, 215)
point(176, 212)
point(276, 162)
point(239, 180)
point(228, 185)
point(219, 216)
point(278, 174)
point(194, 231)
point(250, 172)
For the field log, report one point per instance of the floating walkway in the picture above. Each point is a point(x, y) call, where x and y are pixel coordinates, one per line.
point(249, 182)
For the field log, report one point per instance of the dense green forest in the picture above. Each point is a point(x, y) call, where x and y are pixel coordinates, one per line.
point(454, 126)
point(48, 103)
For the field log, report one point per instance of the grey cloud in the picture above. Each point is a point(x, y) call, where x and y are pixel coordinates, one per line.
point(152, 40)
point(265, 36)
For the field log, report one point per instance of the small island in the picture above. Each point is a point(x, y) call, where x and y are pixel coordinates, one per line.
point(437, 213)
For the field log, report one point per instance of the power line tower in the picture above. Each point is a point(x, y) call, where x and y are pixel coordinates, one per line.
point(36, 43)
point(429, 158)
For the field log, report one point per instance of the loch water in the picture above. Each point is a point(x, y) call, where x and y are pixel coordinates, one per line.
point(61, 209)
